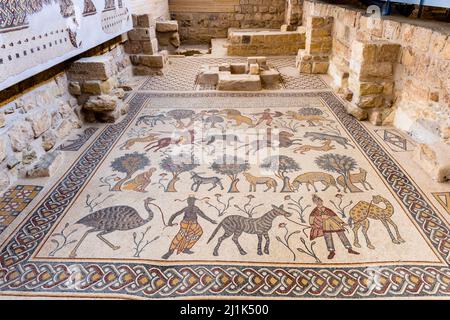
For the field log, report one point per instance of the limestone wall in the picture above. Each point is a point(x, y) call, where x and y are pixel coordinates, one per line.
point(202, 20)
point(35, 123)
point(421, 95)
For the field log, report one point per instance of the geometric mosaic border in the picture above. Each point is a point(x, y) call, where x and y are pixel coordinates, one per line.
point(19, 273)
point(14, 201)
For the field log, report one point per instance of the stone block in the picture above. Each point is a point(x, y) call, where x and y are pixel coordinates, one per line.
point(225, 67)
point(102, 103)
point(91, 87)
point(152, 61)
point(21, 134)
point(46, 166)
point(64, 129)
point(150, 47)
point(254, 69)
point(167, 26)
point(49, 139)
point(238, 68)
point(142, 34)
point(239, 82)
point(434, 159)
point(364, 88)
point(270, 77)
point(355, 111)
point(320, 67)
point(169, 39)
point(40, 122)
point(145, 21)
point(2, 148)
point(388, 52)
point(74, 88)
point(262, 61)
point(92, 68)
point(370, 101)
point(208, 77)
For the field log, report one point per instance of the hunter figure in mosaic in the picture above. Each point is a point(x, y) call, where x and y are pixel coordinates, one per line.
point(324, 222)
point(190, 230)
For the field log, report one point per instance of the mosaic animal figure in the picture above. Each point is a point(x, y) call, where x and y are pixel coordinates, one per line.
point(363, 211)
point(323, 136)
point(237, 225)
point(163, 143)
point(131, 142)
point(310, 178)
point(236, 115)
point(312, 120)
point(198, 181)
point(326, 146)
point(360, 177)
point(151, 120)
point(254, 181)
point(284, 141)
point(108, 220)
point(140, 182)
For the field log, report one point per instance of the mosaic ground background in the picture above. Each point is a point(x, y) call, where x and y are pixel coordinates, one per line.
point(111, 168)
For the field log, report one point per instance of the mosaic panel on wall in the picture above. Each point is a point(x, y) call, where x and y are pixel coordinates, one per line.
point(38, 34)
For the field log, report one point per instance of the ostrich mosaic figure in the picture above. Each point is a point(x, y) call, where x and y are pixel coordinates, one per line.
point(116, 218)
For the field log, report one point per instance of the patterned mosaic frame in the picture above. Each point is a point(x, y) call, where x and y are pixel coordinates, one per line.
point(21, 274)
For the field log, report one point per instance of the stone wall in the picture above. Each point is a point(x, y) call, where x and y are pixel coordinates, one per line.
point(261, 42)
point(200, 21)
point(420, 102)
point(35, 123)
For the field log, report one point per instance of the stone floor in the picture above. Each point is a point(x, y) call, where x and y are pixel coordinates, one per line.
point(105, 225)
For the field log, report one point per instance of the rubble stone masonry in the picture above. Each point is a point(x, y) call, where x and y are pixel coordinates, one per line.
point(409, 82)
point(208, 20)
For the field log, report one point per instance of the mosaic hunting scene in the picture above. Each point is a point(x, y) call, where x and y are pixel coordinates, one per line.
point(281, 161)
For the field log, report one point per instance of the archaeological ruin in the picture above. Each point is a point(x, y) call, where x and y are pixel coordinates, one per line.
point(233, 149)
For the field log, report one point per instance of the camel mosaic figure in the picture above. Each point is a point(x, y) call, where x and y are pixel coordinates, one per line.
point(310, 178)
point(363, 211)
point(199, 180)
point(253, 181)
point(237, 225)
point(107, 220)
point(360, 177)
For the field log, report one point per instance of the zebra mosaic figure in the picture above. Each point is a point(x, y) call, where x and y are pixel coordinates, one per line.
point(237, 225)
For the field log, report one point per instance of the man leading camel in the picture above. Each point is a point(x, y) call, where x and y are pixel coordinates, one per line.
point(324, 222)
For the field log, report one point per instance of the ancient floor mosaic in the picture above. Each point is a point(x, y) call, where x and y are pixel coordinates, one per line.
point(238, 195)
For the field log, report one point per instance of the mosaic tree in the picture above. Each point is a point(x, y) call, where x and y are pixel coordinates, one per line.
point(341, 164)
point(129, 164)
point(281, 166)
point(175, 168)
point(231, 167)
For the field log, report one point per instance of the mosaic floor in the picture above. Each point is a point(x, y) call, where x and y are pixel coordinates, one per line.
point(276, 194)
